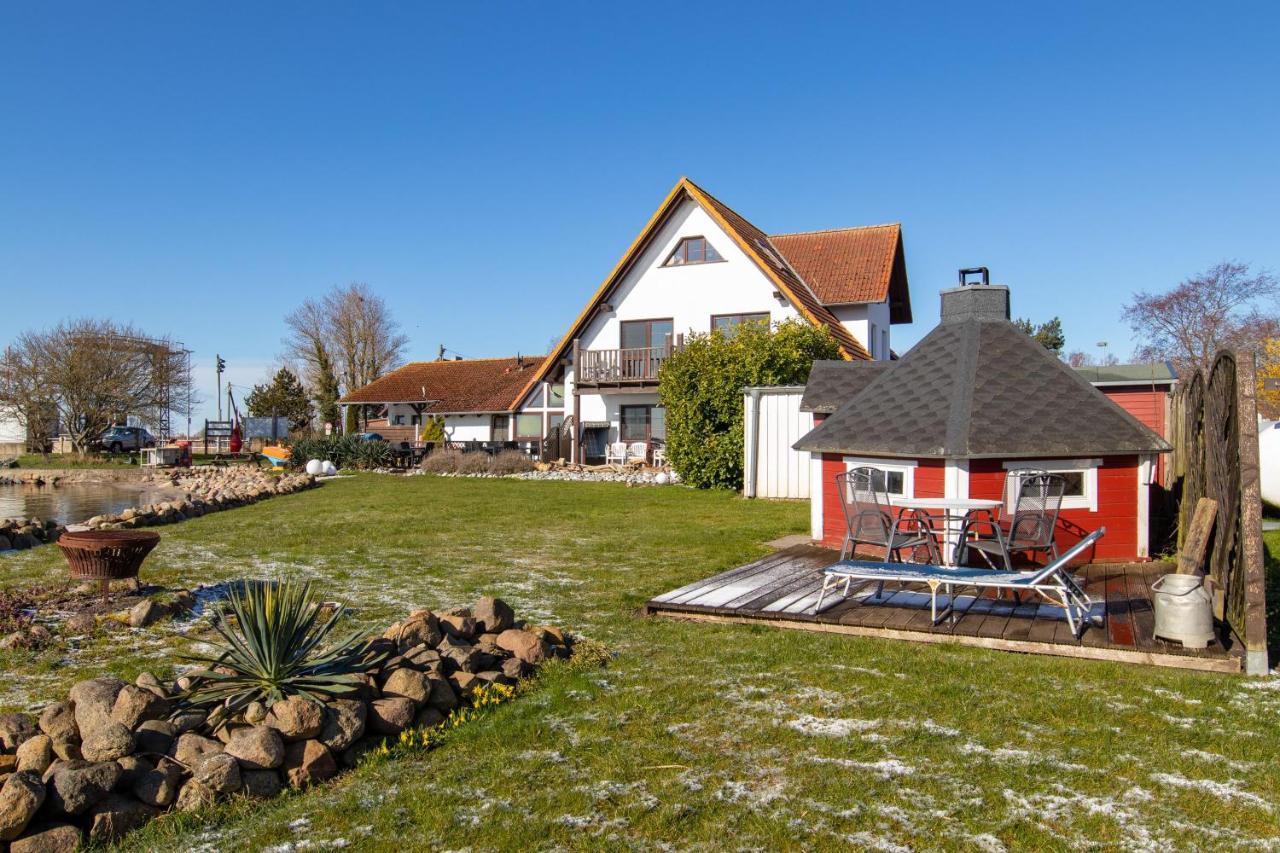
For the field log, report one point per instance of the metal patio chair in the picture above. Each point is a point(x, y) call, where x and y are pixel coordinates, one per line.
point(870, 520)
point(1028, 530)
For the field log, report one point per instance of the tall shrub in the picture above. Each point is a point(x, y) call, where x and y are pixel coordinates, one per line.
point(701, 384)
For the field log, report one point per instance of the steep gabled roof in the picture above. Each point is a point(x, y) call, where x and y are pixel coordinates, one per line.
point(753, 242)
point(847, 266)
point(454, 387)
point(978, 387)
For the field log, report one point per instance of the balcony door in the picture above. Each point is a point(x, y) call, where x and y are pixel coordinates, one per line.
point(645, 343)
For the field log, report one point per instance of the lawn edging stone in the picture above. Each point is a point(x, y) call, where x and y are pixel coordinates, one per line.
point(118, 755)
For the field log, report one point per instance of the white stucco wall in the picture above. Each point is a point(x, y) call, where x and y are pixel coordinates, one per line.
point(861, 319)
point(467, 427)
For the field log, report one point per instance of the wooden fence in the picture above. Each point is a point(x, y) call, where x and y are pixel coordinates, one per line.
point(1215, 439)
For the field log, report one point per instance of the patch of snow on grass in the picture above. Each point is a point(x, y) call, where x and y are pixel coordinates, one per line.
point(1222, 790)
point(807, 724)
point(887, 768)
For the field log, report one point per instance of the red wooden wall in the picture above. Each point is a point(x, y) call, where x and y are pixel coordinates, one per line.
point(1117, 502)
point(1148, 405)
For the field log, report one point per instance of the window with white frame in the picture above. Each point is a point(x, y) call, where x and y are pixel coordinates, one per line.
point(1081, 476)
point(898, 474)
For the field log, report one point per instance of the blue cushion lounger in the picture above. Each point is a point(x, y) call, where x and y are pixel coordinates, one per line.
point(1053, 582)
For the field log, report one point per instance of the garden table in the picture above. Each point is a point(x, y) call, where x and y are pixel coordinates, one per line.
point(951, 511)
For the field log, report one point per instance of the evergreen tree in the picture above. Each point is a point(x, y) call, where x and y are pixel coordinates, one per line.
point(1049, 334)
point(284, 396)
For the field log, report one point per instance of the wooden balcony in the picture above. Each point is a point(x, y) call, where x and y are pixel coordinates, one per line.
point(624, 369)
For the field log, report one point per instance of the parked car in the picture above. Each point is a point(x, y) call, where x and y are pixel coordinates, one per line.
point(370, 436)
point(118, 439)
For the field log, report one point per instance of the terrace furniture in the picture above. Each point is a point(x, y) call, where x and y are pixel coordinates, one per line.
point(638, 451)
point(1052, 583)
point(1029, 530)
point(868, 519)
point(616, 452)
point(949, 515)
point(659, 456)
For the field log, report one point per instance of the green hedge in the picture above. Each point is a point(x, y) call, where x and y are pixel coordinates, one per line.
point(701, 384)
point(345, 451)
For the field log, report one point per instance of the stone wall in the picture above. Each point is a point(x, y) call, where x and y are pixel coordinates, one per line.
point(112, 756)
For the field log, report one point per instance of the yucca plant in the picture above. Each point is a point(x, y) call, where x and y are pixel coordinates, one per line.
point(273, 633)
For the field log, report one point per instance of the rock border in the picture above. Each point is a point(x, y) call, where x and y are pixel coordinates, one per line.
point(114, 756)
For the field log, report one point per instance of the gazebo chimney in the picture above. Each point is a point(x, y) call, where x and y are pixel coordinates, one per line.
point(983, 301)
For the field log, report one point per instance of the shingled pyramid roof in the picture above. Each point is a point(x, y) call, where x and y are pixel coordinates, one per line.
point(977, 386)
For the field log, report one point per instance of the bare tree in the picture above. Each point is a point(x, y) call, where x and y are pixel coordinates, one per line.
point(346, 340)
point(1080, 358)
point(1224, 306)
point(24, 396)
point(92, 374)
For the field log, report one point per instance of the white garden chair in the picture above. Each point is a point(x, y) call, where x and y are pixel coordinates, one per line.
point(638, 451)
point(616, 452)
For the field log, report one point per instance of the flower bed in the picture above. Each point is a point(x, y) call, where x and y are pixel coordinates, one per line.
point(116, 755)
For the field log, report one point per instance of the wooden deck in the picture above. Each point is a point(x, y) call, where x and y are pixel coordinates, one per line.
point(782, 589)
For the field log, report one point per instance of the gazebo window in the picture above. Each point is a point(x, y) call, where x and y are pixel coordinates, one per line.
point(899, 475)
point(1081, 476)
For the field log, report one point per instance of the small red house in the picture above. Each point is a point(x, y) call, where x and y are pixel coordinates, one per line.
point(973, 399)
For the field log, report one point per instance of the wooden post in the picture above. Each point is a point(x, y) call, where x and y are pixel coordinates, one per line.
point(1196, 542)
point(1255, 582)
point(575, 442)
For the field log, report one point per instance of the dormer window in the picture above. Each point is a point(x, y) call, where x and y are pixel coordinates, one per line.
point(693, 250)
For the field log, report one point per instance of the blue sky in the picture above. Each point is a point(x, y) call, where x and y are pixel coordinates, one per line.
point(198, 169)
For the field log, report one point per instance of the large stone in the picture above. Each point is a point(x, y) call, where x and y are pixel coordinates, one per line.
point(493, 615)
point(458, 625)
point(391, 715)
point(147, 612)
point(107, 742)
point(58, 721)
point(465, 683)
point(147, 681)
point(133, 768)
point(344, 723)
point(194, 796)
point(218, 772)
point(427, 718)
point(526, 645)
point(515, 668)
point(159, 787)
point(296, 718)
point(191, 747)
point(257, 748)
point(155, 736)
point(116, 815)
point(409, 684)
point(93, 701)
point(416, 630)
point(255, 713)
point(35, 754)
point(81, 623)
point(422, 657)
point(261, 784)
point(188, 721)
point(307, 762)
point(135, 705)
point(20, 799)
point(49, 838)
point(78, 786)
point(443, 698)
point(458, 654)
point(15, 728)
point(67, 750)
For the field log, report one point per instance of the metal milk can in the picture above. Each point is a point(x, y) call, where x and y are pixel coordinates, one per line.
point(1184, 609)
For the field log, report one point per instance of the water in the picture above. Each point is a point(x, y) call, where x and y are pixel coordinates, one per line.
point(73, 503)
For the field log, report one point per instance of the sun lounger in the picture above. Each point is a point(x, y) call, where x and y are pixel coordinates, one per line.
point(1053, 583)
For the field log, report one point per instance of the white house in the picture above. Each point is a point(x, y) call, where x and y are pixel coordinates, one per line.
point(696, 266)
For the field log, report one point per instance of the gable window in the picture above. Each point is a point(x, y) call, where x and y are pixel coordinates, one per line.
point(693, 250)
point(729, 323)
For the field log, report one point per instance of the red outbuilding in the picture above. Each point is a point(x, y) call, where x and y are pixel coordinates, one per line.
point(976, 398)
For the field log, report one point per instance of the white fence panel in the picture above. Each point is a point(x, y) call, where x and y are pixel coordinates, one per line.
point(774, 422)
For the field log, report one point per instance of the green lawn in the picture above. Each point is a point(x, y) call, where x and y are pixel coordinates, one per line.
point(699, 736)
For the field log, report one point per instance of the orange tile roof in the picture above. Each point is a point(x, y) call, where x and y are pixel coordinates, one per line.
point(470, 385)
point(844, 265)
